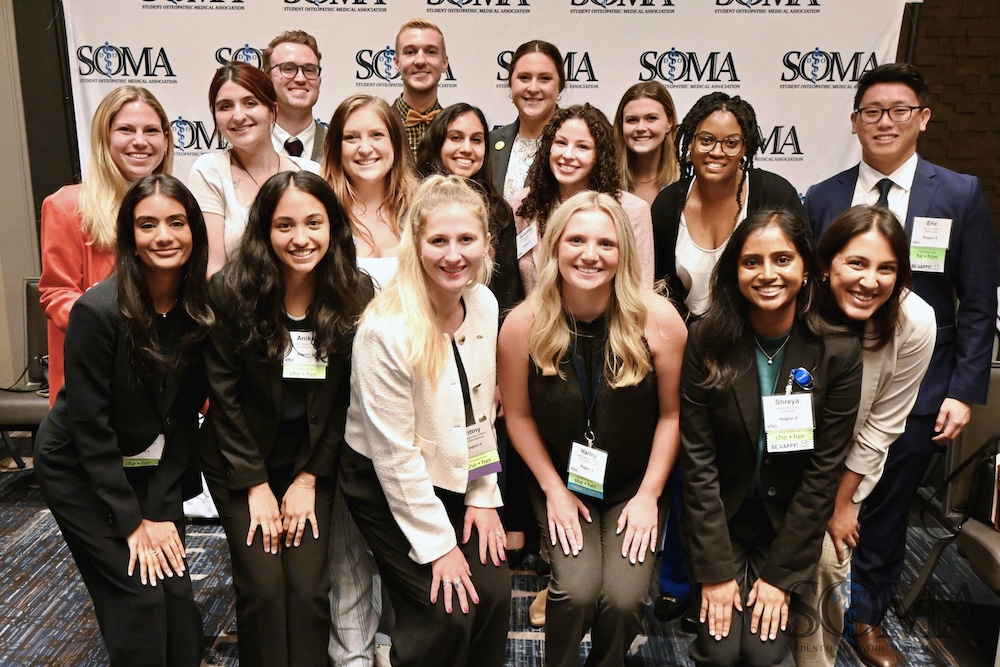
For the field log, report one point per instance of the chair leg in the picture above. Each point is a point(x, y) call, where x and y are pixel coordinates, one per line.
point(910, 601)
point(9, 446)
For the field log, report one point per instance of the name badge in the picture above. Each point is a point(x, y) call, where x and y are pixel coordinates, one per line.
point(929, 244)
point(788, 423)
point(147, 458)
point(587, 467)
point(300, 363)
point(484, 459)
point(527, 239)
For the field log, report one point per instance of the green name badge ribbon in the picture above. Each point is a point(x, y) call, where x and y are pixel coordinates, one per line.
point(794, 440)
point(587, 487)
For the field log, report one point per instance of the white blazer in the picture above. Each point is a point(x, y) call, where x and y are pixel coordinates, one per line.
point(413, 430)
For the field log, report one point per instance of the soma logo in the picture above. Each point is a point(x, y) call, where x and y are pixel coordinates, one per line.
point(673, 66)
point(382, 65)
point(193, 135)
point(244, 54)
point(112, 61)
point(817, 65)
point(578, 66)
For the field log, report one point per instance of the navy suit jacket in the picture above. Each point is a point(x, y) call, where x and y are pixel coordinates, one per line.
point(960, 367)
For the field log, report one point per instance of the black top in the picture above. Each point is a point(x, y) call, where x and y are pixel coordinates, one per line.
point(767, 191)
point(623, 422)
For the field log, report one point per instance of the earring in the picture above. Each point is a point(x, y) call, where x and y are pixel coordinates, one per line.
point(805, 281)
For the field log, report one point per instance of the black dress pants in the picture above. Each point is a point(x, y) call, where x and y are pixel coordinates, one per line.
point(424, 634)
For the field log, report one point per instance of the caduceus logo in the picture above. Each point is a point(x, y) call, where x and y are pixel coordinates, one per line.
point(674, 58)
point(816, 59)
point(313, 2)
point(384, 66)
point(183, 133)
point(108, 60)
point(248, 55)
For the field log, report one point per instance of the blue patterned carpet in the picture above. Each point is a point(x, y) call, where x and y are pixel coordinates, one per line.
point(46, 617)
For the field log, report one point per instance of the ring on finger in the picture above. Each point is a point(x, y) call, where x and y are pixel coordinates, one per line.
point(302, 523)
point(458, 585)
point(446, 583)
point(154, 553)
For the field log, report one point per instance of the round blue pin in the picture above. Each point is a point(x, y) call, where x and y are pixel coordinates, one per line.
point(803, 378)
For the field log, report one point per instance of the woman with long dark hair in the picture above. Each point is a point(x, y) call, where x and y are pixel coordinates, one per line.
point(768, 401)
point(114, 457)
point(129, 138)
point(278, 366)
point(244, 107)
point(718, 189)
point(536, 79)
point(590, 371)
point(866, 287)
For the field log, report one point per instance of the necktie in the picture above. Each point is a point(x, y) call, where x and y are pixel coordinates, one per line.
point(414, 117)
point(883, 192)
point(294, 147)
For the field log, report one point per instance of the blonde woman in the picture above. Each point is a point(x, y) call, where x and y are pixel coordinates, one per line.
point(645, 126)
point(590, 370)
point(419, 472)
point(129, 139)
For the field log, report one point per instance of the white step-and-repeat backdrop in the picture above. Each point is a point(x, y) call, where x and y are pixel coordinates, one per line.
point(795, 61)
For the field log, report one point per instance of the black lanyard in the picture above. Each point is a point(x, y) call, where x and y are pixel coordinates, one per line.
point(470, 417)
point(588, 390)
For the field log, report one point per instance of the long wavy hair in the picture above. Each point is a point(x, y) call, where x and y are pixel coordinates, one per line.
point(401, 180)
point(255, 280)
point(604, 177)
point(626, 357)
point(104, 187)
point(406, 305)
point(134, 300)
point(746, 118)
point(885, 322)
point(669, 170)
point(725, 322)
point(429, 162)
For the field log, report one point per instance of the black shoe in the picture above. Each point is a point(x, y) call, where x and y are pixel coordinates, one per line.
point(667, 607)
point(689, 623)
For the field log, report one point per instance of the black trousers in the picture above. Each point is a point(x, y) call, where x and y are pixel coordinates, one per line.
point(141, 625)
point(282, 600)
point(878, 560)
point(424, 634)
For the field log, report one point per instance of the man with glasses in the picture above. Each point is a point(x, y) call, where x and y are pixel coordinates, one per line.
point(953, 257)
point(421, 59)
point(292, 61)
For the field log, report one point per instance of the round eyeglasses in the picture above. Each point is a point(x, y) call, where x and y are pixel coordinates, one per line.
point(290, 69)
point(705, 142)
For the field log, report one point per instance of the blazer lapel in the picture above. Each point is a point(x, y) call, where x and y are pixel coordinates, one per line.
point(921, 193)
point(747, 390)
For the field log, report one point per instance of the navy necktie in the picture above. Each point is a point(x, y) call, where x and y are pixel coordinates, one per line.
point(294, 147)
point(883, 192)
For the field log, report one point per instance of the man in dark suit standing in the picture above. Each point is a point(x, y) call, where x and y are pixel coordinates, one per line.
point(292, 61)
point(953, 257)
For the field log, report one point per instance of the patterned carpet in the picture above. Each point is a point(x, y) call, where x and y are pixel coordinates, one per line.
point(46, 617)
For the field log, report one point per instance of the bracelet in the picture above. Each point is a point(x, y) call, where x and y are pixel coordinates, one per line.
point(298, 482)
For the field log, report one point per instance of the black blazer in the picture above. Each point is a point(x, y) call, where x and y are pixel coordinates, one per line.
point(767, 191)
point(719, 434)
point(501, 141)
point(960, 367)
point(245, 405)
point(104, 413)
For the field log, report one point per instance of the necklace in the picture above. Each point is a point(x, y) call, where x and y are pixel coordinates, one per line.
point(770, 357)
point(235, 158)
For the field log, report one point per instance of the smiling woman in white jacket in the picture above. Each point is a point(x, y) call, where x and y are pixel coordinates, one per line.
point(419, 475)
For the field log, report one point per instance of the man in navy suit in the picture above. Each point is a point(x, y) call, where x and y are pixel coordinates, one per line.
point(953, 256)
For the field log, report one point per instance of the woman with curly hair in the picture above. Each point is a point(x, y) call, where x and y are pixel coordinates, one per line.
point(645, 127)
point(577, 152)
point(719, 188)
point(278, 366)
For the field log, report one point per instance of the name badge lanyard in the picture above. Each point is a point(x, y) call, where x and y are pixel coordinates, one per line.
point(470, 417)
point(588, 390)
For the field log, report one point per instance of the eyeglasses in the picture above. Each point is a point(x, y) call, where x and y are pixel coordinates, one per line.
point(899, 114)
point(290, 69)
point(705, 142)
